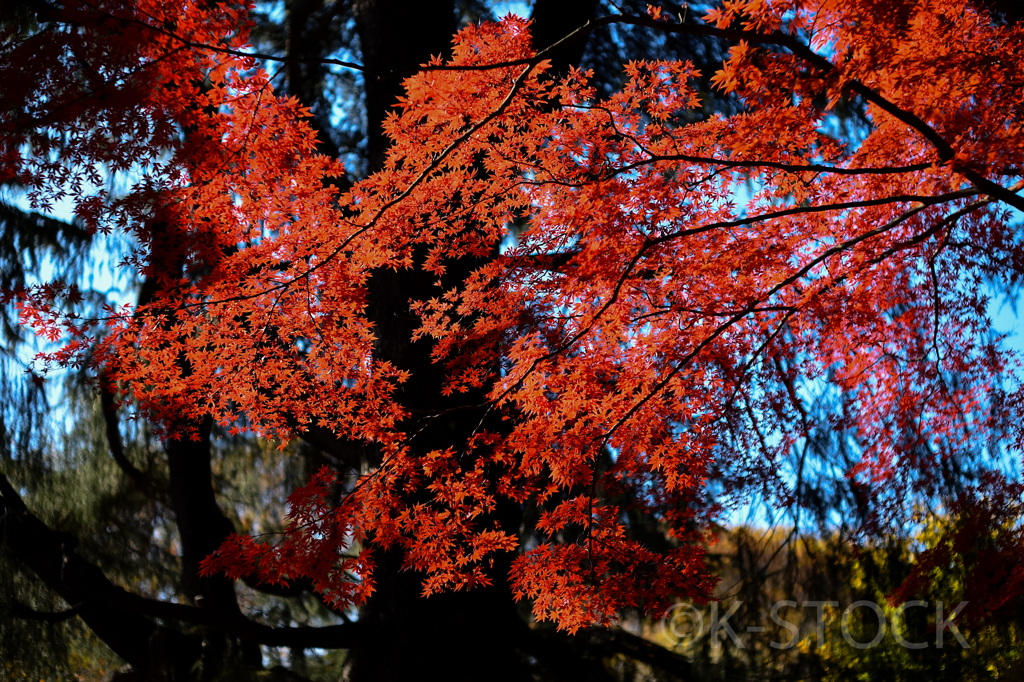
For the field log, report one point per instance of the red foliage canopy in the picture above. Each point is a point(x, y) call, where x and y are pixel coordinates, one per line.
point(675, 277)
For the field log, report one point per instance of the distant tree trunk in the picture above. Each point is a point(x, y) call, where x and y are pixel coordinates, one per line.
point(466, 635)
point(202, 528)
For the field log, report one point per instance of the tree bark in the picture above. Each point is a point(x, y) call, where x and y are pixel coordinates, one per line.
point(476, 634)
point(468, 635)
point(152, 650)
point(202, 528)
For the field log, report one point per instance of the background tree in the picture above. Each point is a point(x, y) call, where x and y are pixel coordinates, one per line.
point(396, 40)
point(424, 404)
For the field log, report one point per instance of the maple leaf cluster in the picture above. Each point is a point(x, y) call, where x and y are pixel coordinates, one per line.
point(676, 278)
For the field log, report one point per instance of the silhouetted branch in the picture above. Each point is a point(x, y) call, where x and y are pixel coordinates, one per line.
point(27, 612)
point(114, 440)
point(108, 608)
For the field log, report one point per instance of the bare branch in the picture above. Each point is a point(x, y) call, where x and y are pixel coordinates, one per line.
point(120, 618)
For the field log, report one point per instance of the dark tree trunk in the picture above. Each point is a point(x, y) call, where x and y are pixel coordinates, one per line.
point(396, 36)
point(202, 528)
point(468, 635)
point(465, 635)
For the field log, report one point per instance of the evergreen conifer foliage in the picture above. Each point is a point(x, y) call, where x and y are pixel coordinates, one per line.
point(549, 310)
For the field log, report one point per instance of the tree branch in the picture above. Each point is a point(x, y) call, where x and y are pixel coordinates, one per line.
point(49, 555)
point(637, 648)
point(944, 150)
point(114, 439)
point(119, 617)
point(28, 613)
